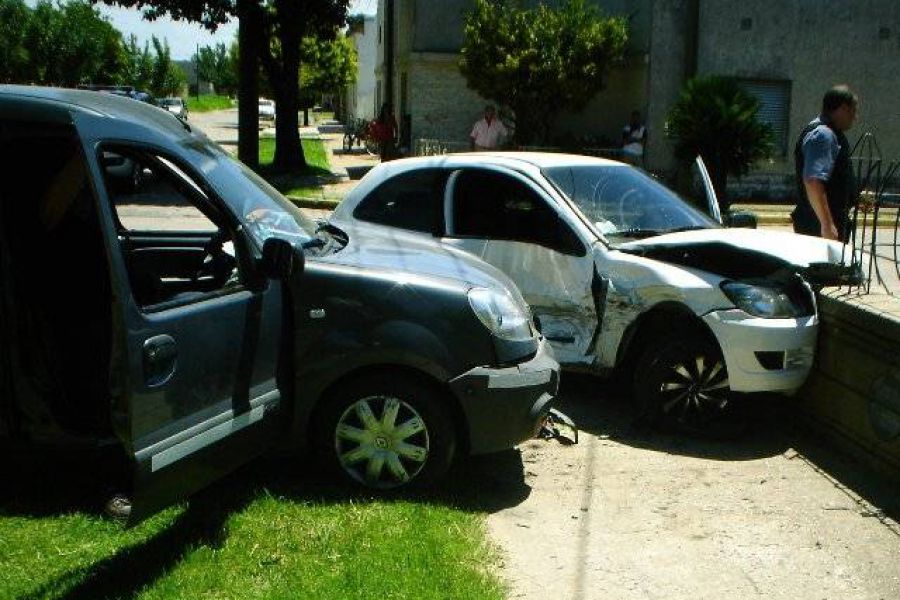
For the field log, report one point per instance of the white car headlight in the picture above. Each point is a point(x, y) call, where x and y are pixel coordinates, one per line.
point(500, 314)
point(761, 301)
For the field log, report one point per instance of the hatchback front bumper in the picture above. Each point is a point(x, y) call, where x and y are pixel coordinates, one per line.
point(764, 355)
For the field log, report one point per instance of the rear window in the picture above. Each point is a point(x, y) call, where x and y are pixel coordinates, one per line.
point(411, 200)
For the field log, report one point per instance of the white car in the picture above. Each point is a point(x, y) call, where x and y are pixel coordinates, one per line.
point(621, 274)
point(266, 110)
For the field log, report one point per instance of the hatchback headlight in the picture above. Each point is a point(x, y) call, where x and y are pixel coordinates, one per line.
point(502, 315)
point(761, 301)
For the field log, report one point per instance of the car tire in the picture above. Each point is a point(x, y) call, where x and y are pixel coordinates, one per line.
point(682, 383)
point(386, 432)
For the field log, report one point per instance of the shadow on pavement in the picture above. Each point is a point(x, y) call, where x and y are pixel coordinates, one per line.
point(767, 426)
point(604, 409)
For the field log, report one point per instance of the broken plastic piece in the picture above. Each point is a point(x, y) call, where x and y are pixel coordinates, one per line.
point(559, 426)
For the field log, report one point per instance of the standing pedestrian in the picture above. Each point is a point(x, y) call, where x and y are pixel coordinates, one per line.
point(826, 184)
point(634, 136)
point(489, 132)
point(384, 130)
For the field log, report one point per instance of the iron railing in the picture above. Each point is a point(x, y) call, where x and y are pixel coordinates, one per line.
point(874, 244)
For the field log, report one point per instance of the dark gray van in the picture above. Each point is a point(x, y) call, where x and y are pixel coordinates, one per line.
point(191, 317)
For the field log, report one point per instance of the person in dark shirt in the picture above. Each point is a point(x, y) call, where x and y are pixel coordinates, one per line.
point(826, 185)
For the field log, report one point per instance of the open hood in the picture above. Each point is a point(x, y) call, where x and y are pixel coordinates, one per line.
point(750, 253)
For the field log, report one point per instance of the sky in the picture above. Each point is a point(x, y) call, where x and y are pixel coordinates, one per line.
point(184, 38)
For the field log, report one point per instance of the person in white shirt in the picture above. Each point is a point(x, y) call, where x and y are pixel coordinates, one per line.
point(634, 136)
point(488, 133)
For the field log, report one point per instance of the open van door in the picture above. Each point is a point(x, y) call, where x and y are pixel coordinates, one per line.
point(199, 366)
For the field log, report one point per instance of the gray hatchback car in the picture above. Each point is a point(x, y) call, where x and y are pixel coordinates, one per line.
point(195, 317)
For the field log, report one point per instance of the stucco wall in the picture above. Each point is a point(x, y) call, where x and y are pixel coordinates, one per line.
point(814, 45)
point(441, 104)
point(362, 95)
point(670, 51)
point(608, 112)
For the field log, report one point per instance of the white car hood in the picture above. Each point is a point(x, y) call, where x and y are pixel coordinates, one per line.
point(748, 253)
point(799, 250)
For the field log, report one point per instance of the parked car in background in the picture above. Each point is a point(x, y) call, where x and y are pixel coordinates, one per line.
point(621, 274)
point(197, 318)
point(266, 110)
point(176, 106)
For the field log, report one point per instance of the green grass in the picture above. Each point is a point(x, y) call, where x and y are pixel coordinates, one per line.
point(314, 151)
point(264, 532)
point(208, 103)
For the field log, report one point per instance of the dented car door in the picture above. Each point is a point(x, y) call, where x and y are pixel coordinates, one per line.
point(501, 217)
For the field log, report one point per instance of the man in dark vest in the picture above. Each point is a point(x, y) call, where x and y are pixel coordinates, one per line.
point(824, 175)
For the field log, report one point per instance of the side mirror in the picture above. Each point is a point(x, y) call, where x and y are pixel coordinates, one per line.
point(741, 218)
point(280, 259)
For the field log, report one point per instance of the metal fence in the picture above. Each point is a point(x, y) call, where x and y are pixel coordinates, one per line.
point(875, 237)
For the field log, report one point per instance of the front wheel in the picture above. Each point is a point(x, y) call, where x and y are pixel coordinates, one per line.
point(683, 382)
point(386, 433)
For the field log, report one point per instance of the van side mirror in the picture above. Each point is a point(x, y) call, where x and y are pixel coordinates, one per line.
point(740, 218)
point(281, 259)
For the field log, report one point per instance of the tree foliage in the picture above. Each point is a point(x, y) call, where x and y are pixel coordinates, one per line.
point(282, 25)
point(13, 55)
point(327, 66)
point(536, 62)
point(218, 65)
point(56, 44)
point(718, 120)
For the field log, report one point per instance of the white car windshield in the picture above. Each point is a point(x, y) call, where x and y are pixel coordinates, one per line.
point(621, 201)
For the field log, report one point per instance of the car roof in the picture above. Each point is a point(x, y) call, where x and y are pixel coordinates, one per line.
point(45, 103)
point(516, 160)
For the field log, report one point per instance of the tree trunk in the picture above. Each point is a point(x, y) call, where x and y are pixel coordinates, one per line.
point(248, 85)
point(288, 151)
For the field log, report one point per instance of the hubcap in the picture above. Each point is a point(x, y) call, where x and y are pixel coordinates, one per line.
point(695, 390)
point(381, 442)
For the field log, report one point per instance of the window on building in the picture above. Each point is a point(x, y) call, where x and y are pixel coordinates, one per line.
point(774, 108)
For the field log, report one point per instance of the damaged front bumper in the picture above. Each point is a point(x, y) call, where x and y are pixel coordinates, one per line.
point(506, 406)
point(764, 355)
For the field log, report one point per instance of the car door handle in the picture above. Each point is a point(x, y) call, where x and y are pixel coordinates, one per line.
point(160, 360)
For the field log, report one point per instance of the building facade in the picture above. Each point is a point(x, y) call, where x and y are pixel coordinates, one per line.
point(786, 54)
point(361, 102)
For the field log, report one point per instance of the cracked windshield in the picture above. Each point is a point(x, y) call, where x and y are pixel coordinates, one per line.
point(622, 202)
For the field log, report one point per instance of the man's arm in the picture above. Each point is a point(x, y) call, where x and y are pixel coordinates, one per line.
point(820, 149)
point(815, 191)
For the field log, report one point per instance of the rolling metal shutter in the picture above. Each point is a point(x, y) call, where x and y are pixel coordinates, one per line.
point(774, 108)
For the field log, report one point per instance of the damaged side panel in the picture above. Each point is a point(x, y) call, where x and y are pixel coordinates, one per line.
point(558, 287)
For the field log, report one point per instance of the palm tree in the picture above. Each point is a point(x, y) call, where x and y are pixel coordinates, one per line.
point(717, 119)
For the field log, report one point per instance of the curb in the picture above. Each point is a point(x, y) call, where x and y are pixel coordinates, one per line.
point(314, 203)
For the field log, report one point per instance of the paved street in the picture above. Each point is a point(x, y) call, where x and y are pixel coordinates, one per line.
point(626, 514)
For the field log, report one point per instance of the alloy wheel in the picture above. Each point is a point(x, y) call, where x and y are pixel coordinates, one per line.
point(381, 442)
point(695, 390)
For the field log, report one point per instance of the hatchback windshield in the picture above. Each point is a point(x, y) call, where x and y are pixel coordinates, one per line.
point(624, 202)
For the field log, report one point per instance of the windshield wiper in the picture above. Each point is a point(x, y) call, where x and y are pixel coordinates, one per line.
point(687, 228)
point(635, 232)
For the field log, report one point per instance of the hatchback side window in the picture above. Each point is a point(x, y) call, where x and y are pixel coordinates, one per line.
point(178, 247)
point(492, 205)
point(410, 200)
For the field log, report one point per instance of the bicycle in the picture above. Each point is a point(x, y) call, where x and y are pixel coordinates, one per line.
point(359, 133)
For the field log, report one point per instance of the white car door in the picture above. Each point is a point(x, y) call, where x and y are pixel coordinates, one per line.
point(502, 217)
